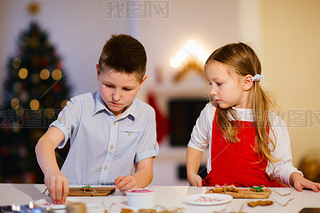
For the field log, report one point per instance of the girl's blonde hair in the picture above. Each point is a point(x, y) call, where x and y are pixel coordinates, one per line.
point(242, 59)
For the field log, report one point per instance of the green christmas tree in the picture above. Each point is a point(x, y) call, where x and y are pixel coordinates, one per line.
point(35, 91)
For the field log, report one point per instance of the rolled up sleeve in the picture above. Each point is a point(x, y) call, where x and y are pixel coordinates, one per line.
point(68, 120)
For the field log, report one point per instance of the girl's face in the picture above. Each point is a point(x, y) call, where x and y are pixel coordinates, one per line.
point(226, 86)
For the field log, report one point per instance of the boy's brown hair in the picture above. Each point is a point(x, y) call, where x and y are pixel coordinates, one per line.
point(124, 54)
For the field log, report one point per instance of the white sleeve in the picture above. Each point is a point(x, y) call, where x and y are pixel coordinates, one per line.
point(202, 130)
point(282, 169)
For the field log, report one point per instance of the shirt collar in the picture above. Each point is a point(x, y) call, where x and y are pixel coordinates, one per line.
point(99, 106)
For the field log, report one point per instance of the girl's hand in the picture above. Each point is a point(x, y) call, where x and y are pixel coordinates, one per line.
point(194, 157)
point(196, 180)
point(57, 185)
point(299, 182)
point(124, 183)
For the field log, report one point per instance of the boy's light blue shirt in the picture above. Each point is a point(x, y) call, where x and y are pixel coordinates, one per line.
point(103, 147)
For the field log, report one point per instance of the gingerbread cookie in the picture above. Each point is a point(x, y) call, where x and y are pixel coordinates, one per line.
point(260, 203)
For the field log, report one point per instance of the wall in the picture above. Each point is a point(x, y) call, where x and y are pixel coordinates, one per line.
point(290, 45)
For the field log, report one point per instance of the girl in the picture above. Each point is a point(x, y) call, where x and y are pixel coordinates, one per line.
point(248, 144)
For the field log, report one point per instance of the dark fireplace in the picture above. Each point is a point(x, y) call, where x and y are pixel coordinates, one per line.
point(183, 114)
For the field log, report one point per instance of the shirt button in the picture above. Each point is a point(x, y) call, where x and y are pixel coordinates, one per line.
point(105, 167)
point(111, 147)
point(114, 123)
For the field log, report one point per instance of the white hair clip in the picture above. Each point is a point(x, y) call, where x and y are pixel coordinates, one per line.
point(257, 77)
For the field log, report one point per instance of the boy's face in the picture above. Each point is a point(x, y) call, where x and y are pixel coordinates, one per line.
point(117, 89)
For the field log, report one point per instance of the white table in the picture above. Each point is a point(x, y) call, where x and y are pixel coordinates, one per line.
point(169, 197)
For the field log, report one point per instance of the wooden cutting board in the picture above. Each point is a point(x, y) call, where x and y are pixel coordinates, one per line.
point(95, 191)
point(246, 193)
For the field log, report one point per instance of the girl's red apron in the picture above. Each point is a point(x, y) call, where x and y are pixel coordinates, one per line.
point(237, 163)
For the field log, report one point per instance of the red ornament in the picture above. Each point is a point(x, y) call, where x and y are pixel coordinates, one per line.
point(57, 87)
point(163, 125)
point(44, 62)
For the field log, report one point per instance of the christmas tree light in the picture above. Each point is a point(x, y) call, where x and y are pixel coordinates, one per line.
point(35, 91)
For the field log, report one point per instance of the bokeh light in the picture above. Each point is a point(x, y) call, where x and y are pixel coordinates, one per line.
point(34, 104)
point(15, 103)
point(44, 74)
point(16, 63)
point(56, 74)
point(23, 73)
point(49, 113)
point(63, 103)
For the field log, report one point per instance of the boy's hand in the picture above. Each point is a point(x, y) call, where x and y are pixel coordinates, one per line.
point(124, 183)
point(299, 182)
point(195, 180)
point(58, 186)
point(141, 178)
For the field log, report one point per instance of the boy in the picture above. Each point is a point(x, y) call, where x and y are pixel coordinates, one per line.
point(112, 134)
